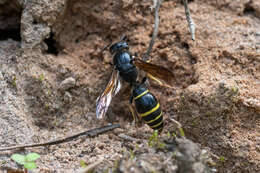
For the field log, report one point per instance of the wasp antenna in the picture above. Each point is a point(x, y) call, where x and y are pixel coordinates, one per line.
point(106, 47)
point(123, 38)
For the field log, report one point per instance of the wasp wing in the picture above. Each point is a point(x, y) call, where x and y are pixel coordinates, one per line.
point(158, 73)
point(104, 100)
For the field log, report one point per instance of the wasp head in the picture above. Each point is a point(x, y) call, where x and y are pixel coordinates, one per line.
point(119, 46)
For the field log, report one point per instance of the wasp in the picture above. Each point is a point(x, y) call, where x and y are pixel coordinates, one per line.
point(126, 68)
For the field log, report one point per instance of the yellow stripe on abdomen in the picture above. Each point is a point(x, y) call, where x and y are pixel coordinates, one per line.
point(140, 95)
point(155, 118)
point(151, 111)
point(156, 125)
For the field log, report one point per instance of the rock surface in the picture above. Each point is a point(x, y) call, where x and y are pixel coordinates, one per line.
point(180, 156)
point(217, 98)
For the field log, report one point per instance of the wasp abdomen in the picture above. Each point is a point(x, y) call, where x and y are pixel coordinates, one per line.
point(149, 109)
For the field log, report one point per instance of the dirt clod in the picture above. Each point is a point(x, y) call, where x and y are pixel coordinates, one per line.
point(67, 83)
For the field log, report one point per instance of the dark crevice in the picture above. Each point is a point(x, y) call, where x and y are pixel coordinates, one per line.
point(13, 34)
point(35, 22)
point(193, 60)
point(52, 45)
point(177, 36)
point(10, 17)
point(249, 9)
point(185, 45)
point(188, 1)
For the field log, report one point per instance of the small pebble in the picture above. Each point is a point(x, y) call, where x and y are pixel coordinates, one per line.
point(67, 97)
point(67, 83)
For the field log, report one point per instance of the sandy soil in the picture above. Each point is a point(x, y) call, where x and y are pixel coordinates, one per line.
point(217, 95)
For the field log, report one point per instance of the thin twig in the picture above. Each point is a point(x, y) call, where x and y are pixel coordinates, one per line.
point(178, 124)
point(189, 19)
point(88, 133)
point(157, 4)
point(127, 138)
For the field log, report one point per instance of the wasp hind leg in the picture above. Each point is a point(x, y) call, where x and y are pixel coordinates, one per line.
point(137, 119)
point(158, 81)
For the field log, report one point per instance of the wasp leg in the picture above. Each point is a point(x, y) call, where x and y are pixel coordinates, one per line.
point(112, 65)
point(131, 99)
point(132, 112)
point(149, 60)
point(159, 82)
point(137, 119)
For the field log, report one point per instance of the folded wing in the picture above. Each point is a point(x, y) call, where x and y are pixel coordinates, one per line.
point(104, 100)
point(158, 73)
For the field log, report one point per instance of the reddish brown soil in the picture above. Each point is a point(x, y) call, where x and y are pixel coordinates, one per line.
point(217, 96)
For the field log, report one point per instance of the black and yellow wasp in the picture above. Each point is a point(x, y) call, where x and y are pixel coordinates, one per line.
point(125, 67)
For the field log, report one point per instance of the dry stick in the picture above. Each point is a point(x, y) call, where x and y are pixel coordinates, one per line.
point(189, 19)
point(157, 4)
point(178, 124)
point(127, 138)
point(89, 133)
